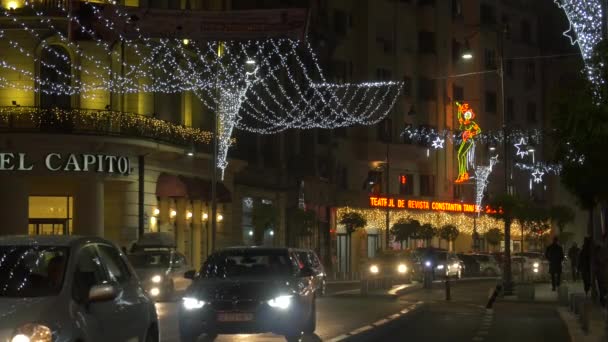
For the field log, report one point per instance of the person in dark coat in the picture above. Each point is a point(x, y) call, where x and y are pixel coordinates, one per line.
point(555, 255)
point(584, 264)
point(573, 253)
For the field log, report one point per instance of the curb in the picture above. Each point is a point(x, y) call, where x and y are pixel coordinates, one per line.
point(363, 333)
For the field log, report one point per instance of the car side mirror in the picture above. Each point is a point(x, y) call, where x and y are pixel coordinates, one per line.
point(190, 274)
point(102, 293)
point(306, 272)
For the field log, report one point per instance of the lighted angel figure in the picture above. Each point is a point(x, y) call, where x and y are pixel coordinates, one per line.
point(466, 151)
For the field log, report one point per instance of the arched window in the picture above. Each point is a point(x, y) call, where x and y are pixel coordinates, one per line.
point(55, 77)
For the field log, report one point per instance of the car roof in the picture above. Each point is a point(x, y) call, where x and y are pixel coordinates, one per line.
point(259, 248)
point(48, 240)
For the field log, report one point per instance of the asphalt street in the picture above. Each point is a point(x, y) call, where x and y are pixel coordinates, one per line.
point(463, 318)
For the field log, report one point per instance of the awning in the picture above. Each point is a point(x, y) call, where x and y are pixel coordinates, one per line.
point(170, 186)
point(190, 187)
point(200, 189)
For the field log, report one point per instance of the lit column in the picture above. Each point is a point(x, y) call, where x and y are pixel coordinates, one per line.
point(197, 220)
point(89, 208)
point(14, 206)
point(180, 224)
point(164, 215)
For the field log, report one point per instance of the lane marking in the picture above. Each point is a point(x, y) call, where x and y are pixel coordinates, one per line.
point(382, 321)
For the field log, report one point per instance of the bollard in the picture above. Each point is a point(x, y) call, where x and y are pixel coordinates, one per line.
point(562, 294)
point(585, 310)
point(428, 280)
point(448, 295)
point(492, 298)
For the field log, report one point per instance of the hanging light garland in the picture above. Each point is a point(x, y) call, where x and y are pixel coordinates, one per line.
point(482, 173)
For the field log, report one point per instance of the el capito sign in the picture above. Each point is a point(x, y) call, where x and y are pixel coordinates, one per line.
point(71, 162)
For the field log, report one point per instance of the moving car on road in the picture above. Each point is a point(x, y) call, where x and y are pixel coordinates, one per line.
point(440, 262)
point(249, 290)
point(60, 288)
point(471, 267)
point(398, 267)
point(161, 271)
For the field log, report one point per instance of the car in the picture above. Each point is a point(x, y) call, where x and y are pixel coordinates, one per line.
point(439, 261)
point(69, 288)
point(161, 271)
point(310, 259)
point(398, 267)
point(488, 266)
point(471, 265)
point(532, 268)
point(241, 290)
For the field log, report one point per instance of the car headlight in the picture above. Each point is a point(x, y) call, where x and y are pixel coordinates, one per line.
point(402, 268)
point(157, 279)
point(536, 270)
point(374, 269)
point(440, 267)
point(191, 303)
point(456, 266)
point(154, 291)
point(427, 264)
point(33, 333)
point(536, 265)
point(280, 302)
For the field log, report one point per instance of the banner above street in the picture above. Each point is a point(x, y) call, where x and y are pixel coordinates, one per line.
point(401, 203)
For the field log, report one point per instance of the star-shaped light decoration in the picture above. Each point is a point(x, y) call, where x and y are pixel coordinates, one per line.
point(538, 176)
point(438, 143)
point(571, 34)
point(522, 151)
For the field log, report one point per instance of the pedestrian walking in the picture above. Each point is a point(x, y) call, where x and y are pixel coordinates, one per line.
point(584, 264)
point(555, 255)
point(601, 262)
point(573, 254)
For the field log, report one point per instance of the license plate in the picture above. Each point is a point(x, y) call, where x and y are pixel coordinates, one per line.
point(234, 317)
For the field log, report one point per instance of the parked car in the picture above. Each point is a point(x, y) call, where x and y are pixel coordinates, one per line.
point(471, 267)
point(249, 290)
point(161, 271)
point(441, 262)
point(532, 268)
point(310, 259)
point(488, 266)
point(394, 265)
point(67, 288)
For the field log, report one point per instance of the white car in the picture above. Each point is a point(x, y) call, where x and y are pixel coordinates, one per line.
point(60, 288)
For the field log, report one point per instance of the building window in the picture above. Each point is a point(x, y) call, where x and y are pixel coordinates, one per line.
point(526, 32)
point(456, 8)
point(383, 74)
point(338, 71)
point(247, 221)
point(386, 44)
point(490, 102)
point(426, 42)
point(487, 15)
point(531, 113)
point(427, 185)
point(456, 51)
point(426, 89)
point(50, 215)
point(406, 184)
point(510, 109)
point(340, 22)
point(458, 93)
point(490, 58)
point(509, 68)
point(530, 73)
point(407, 86)
point(55, 70)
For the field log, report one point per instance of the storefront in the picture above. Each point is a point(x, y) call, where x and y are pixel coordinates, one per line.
point(365, 242)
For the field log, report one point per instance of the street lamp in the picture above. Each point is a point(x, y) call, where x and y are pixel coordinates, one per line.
point(467, 54)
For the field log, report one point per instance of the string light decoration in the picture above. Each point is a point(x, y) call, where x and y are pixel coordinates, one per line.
point(586, 18)
point(521, 147)
point(95, 122)
point(425, 135)
point(438, 143)
point(376, 219)
point(482, 173)
point(466, 151)
point(288, 90)
point(538, 176)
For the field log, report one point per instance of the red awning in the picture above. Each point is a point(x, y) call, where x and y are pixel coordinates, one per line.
point(170, 186)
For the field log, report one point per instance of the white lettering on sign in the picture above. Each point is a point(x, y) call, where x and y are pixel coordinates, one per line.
point(56, 162)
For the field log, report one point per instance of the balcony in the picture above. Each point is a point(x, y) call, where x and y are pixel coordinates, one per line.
point(17, 119)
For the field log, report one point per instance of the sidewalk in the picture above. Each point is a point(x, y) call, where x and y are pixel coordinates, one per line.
point(597, 321)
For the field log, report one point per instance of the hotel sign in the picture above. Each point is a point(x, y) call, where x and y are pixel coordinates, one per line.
point(401, 203)
point(55, 162)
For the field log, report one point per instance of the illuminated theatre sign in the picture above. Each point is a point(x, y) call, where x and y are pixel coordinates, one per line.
point(401, 203)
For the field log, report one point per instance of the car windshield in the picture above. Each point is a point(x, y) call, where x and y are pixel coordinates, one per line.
point(32, 271)
point(150, 260)
point(248, 263)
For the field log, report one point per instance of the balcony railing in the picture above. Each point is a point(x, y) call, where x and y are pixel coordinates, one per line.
point(100, 122)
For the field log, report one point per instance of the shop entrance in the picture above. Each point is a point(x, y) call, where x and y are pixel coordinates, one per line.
point(50, 215)
point(48, 227)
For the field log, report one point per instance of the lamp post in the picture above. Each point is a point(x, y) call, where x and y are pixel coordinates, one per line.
point(467, 54)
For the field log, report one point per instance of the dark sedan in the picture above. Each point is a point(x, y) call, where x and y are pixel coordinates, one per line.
point(249, 290)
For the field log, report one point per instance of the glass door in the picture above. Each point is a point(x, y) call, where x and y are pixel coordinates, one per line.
point(48, 227)
point(50, 215)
